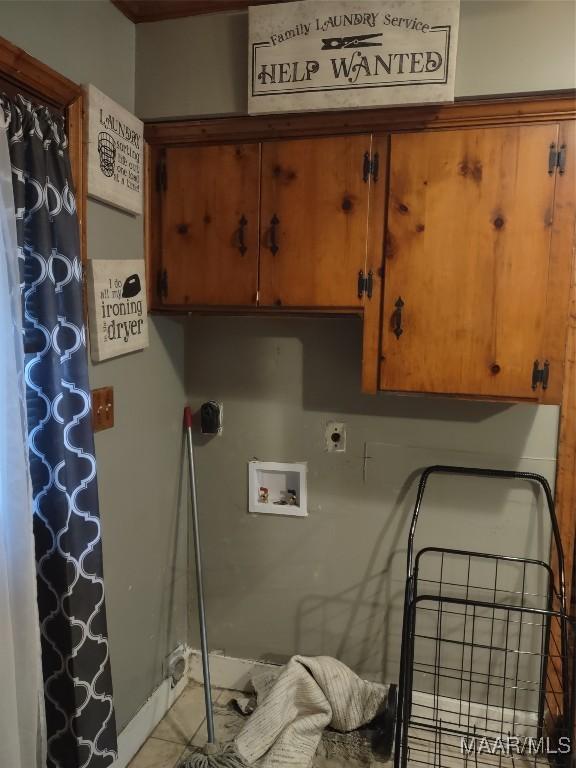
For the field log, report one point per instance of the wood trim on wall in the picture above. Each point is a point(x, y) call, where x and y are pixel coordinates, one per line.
point(563, 245)
point(78, 161)
point(466, 113)
point(140, 11)
point(563, 359)
point(36, 77)
point(53, 89)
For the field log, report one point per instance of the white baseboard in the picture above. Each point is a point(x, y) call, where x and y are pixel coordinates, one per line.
point(226, 671)
point(472, 714)
point(148, 716)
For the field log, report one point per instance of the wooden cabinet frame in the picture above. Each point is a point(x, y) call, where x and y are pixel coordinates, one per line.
point(513, 110)
point(463, 113)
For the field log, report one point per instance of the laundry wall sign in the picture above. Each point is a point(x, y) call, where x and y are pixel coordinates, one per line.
point(115, 141)
point(346, 54)
point(118, 314)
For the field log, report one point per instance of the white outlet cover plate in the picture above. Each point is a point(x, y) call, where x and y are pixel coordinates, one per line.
point(331, 428)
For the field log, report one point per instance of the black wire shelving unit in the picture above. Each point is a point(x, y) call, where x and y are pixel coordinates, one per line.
point(485, 677)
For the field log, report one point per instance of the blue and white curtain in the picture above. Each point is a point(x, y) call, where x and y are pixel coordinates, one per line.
point(81, 731)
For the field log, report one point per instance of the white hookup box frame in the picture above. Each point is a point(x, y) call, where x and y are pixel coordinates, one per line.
point(278, 478)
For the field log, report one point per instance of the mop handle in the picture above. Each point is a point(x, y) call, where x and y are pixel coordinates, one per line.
point(199, 580)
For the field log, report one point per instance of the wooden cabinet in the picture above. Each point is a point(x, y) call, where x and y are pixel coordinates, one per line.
point(448, 229)
point(290, 233)
point(468, 308)
point(314, 214)
point(209, 225)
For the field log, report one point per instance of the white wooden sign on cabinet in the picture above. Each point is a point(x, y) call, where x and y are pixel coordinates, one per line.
point(118, 313)
point(115, 140)
point(345, 54)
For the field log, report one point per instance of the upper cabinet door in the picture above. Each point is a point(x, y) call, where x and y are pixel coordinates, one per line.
point(210, 225)
point(467, 261)
point(314, 221)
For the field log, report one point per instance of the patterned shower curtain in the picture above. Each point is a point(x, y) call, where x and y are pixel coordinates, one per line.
point(75, 658)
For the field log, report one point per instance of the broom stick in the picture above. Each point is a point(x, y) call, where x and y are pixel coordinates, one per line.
point(188, 422)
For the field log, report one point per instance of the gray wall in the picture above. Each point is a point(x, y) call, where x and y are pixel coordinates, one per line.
point(505, 46)
point(138, 460)
point(333, 583)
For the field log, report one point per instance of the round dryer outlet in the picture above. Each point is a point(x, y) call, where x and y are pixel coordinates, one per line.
point(335, 437)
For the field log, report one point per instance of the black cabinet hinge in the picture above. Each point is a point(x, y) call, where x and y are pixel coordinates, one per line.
point(540, 375)
point(371, 166)
point(557, 159)
point(162, 284)
point(161, 175)
point(365, 284)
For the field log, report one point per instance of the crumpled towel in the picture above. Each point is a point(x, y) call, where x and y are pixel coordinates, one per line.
point(308, 695)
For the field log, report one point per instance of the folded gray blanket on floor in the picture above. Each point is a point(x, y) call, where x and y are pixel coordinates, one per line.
point(295, 707)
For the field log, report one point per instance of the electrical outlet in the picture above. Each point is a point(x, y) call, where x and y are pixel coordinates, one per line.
point(211, 418)
point(176, 665)
point(102, 408)
point(335, 437)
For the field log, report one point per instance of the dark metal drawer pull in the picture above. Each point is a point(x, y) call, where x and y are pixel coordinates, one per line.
point(273, 236)
point(240, 234)
point(397, 318)
point(366, 167)
point(370, 284)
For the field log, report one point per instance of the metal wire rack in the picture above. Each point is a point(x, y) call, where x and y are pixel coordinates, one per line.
point(484, 677)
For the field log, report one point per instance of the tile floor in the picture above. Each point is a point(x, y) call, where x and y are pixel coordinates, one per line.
point(184, 726)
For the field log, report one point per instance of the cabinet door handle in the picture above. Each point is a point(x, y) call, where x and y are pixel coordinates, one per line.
point(376, 166)
point(370, 284)
point(273, 235)
point(241, 245)
point(366, 167)
point(397, 318)
point(361, 283)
